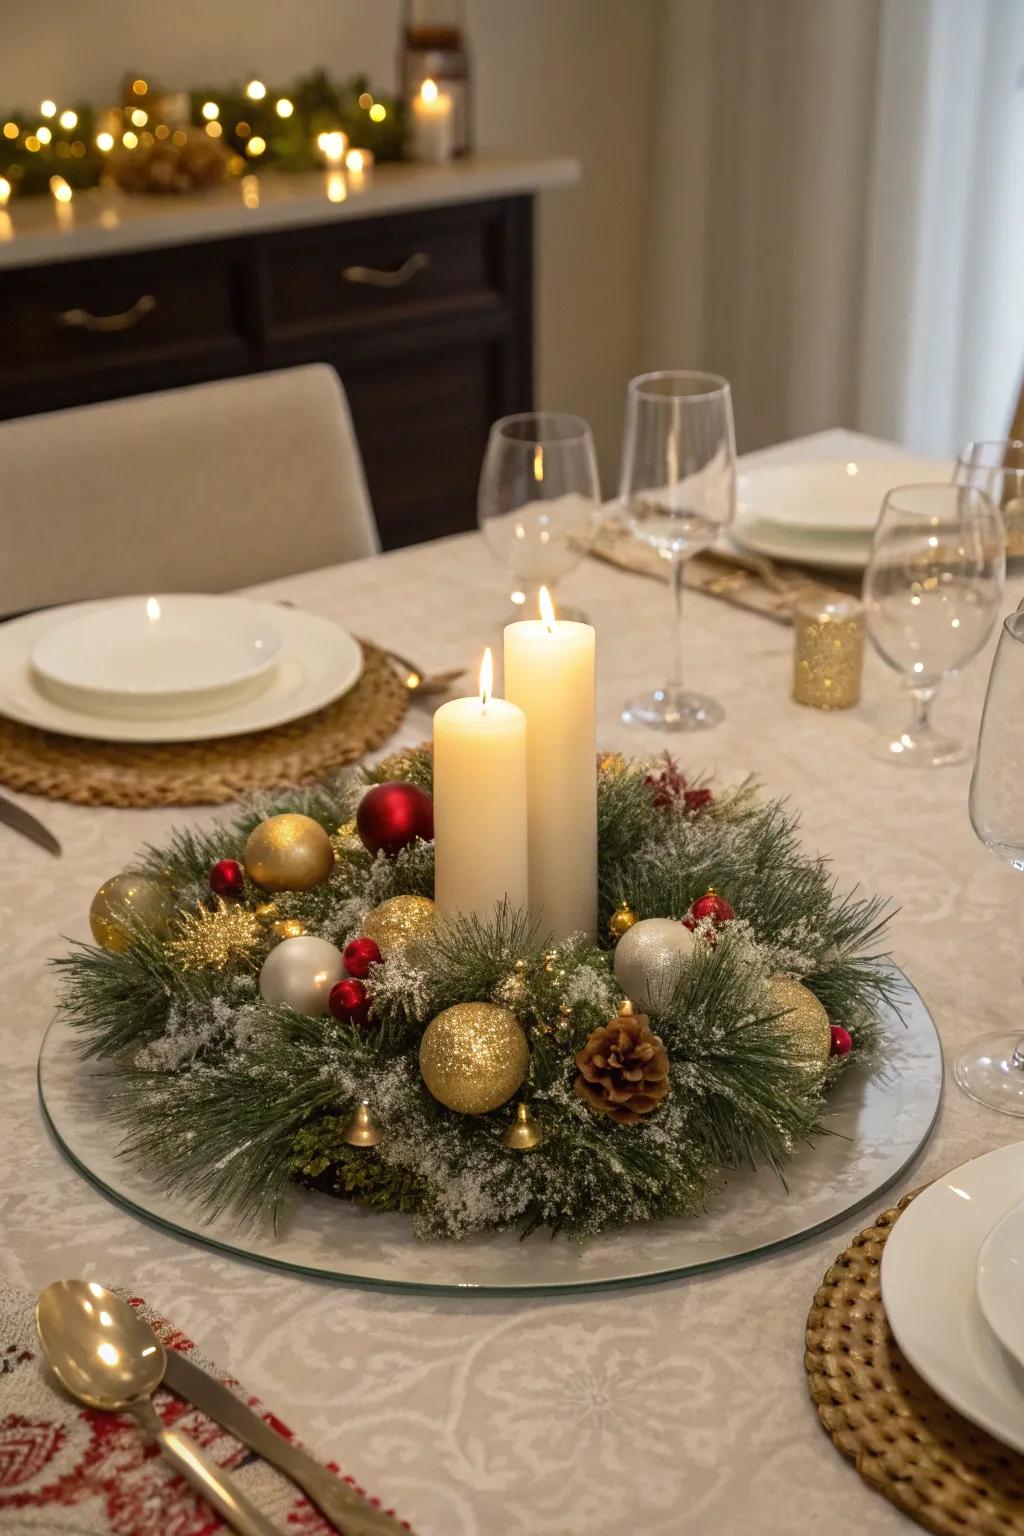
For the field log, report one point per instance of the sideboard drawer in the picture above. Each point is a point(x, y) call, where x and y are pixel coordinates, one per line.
point(82, 315)
point(390, 270)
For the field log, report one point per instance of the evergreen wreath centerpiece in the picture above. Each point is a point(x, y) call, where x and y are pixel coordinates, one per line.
point(278, 1001)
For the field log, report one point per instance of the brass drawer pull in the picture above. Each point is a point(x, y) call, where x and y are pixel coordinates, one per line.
point(82, 320)
point(378, 277)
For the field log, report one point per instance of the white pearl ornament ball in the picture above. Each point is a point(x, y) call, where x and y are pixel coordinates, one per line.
point(647, 961)
point(299, 973)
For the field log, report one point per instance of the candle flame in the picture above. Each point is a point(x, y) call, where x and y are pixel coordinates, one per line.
point(538, 463)
point(152, 608)
point(428, 90)
point(547, 610)
point(486, 678)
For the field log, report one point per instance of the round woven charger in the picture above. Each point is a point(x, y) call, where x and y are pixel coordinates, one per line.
point(906, 1442)
point(207, 772)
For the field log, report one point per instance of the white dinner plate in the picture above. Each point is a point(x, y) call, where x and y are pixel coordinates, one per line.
point(829, 496)
point(319, 661)
point(826, 553)
point(1001, 1280)
point(929, 1290)
point(162, 655)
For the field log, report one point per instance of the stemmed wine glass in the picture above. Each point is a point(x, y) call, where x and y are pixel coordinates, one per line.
point(997, 468)
point(678, 489)
point(931, 591)
point(991, 1069)
point(539, 501)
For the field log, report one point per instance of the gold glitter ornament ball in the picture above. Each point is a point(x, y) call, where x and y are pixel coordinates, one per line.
point(288, 853)
point(401, 924)
point(474, 1057)
point(805, 1022)
point(128, 899)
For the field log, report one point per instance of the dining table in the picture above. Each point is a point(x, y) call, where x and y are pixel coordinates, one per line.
point(680, 1406)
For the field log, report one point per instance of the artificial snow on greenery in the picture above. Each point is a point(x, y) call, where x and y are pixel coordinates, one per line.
point(233, 1102)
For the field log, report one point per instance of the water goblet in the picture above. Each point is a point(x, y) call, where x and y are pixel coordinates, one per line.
point(997, 468)
point(539, 500)
point(991, 1069)
point(678, 490)
point(931, 591)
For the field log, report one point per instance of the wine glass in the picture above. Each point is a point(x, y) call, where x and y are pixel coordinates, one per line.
point(539, 501)
point(678, 489)
point(997, 468)
point(991, 1069)
point(931, 591)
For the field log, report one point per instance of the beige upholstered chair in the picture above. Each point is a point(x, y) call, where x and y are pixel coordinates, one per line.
point(200, 489)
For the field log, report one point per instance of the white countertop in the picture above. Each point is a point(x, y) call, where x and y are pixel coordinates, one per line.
point(105, 221)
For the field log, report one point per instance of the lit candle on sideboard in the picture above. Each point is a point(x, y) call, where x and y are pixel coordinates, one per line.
point(480, 838)
point(433, 125)
point(332, 146)
point(549, 673)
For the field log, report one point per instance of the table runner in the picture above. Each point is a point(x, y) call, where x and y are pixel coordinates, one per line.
point(67, 1469)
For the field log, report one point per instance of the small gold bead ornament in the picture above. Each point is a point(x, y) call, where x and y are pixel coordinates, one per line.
point(288, 928)
point(524, 1133)
point(621, 920)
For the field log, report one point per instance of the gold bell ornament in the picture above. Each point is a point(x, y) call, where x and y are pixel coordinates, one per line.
point(362, 1130)
point(524, 1133)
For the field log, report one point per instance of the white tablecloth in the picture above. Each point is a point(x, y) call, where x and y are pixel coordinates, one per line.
point(680, 1408)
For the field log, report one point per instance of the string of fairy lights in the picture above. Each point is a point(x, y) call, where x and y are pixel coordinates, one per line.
point(316, 122)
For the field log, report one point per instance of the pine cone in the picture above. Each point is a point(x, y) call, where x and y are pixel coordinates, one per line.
point(623, 1069)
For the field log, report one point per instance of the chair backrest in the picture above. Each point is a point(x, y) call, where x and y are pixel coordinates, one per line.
point(200, 489)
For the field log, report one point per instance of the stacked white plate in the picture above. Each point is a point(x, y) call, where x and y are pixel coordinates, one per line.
point(174, 667)
point(822, 513)
point(953, 1288)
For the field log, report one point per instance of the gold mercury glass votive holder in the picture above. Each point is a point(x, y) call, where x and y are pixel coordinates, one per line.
point(829, 656)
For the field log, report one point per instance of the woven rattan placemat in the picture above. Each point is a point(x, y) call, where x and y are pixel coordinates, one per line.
point(905, 1441)
point(208, 772)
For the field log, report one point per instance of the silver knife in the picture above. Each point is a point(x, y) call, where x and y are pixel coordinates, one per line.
point(24, 822)
point(340, 1502)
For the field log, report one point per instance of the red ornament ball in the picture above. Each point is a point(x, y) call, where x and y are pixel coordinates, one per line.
point(714, 906)
point(349, 1001)
point(842, 1041)
point(391, 816)
point(227, 878)
point(359, 955)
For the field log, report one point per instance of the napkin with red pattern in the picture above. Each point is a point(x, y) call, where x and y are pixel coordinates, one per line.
point(72, 1471)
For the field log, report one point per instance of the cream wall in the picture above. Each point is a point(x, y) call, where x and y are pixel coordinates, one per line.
point(552, 77)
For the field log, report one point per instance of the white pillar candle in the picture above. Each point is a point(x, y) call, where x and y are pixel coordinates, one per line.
point(480, 804)
point(549, 673)
point(433, 125)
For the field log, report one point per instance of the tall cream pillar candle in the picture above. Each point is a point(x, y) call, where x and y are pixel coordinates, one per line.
point(480, 804)
point(549, 673)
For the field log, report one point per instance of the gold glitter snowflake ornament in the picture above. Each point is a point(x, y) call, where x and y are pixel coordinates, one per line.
point(214, 940)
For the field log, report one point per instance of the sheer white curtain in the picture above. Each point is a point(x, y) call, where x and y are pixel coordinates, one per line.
point(943, 335)
point(838, 212)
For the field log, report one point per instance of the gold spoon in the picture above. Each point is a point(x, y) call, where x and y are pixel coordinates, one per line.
point(104, 1354)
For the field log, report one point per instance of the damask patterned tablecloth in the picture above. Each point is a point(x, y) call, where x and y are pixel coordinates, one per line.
point(675, 1409)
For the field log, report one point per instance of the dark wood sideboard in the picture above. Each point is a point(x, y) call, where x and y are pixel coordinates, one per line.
point(426, 314)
